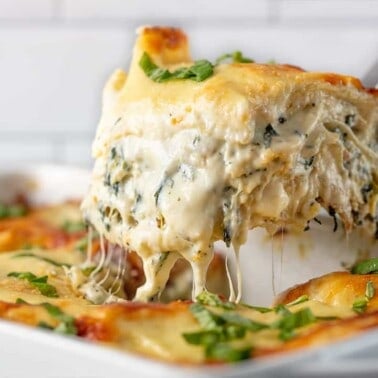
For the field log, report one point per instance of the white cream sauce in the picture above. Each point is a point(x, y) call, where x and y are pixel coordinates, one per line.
point(171, 196)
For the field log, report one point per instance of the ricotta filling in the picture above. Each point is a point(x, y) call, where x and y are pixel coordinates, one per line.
point(175, 196)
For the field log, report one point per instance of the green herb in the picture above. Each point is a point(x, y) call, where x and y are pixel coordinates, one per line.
point(365, 190)
point(66, 322)
point(291, 321)
point(210, 299)
point(332, 213)
point(350, 119)
point(12, 211)
point(227, 234)
point(212, 336)
point(263, 310)
point(166, 182)
point(21, 301)
point(301, 299)
point(72, 227)
point(307, 163)
point(229, 195)
point(28, 246)
point(196, 140)
point(327, 317)
point(205, 337)
point(45, 325)
point(234, 57)
point(366, 267)
point(46, 259)
point(370, 290)
point(82, 244)
point(269, 133)
point(220, 329)
point(205, 318)
point(282, 310)
point(39, 283)
point(238, 320)
point(199, 71)
point(113, 153)
point(88, 270)
point(225, 352)
point(360, 305)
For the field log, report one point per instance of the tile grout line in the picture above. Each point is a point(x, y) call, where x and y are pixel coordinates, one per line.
point(126, 24)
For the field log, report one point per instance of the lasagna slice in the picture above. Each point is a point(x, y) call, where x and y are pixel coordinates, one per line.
point(188, 153)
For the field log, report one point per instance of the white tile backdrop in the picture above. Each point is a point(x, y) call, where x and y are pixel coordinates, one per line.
point(56, 54)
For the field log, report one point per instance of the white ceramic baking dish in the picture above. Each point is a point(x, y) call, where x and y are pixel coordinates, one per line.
point(268, 265)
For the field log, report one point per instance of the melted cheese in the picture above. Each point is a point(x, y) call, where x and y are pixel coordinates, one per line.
point(180, 165)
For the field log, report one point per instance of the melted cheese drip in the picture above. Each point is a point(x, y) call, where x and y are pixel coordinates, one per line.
point(92, 286)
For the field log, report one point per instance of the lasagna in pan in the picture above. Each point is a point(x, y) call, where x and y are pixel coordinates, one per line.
point(188, 153)
point(48, 281)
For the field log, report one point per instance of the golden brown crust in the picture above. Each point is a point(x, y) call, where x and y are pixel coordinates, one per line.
point(169, 44)
point(33, 230)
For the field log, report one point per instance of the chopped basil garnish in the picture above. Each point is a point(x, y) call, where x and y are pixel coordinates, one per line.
point(72, 227)
point(21, 301)
point(82, 244)
point(225, 352)
point(205, 337)
point(210, 299)
point(212, 336)
point(282, 310)
point(12, 211)
point(45, 325)
point(327, 317)
point(238, 320)
point(301, 299)
point(46, 259)
point(39, 283)
point(360, 305)
point(261, 309)
point(269, 133)
point(366, 267)
point(88, 270)
point(220, 328)
point(205, 318)
point(234, 57)
point(66, 322)
point(199, 71)
point(370, 290)
point(290, 321)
